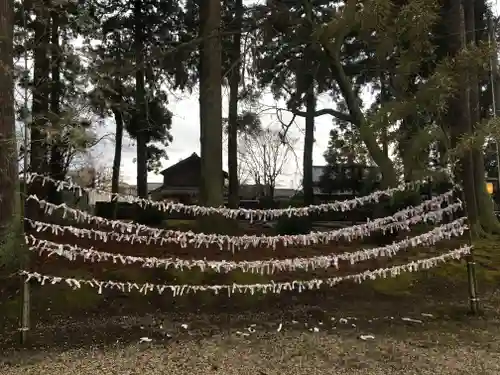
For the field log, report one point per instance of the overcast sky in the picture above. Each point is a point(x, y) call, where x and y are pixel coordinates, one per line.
point(186, 137)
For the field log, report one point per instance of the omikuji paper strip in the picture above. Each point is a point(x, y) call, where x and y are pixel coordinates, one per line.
point(272, 287)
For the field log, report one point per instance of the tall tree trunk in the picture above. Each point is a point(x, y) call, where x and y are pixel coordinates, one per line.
point(406, 135)
point(115, 177)
point(211, 189)
point(494, 92)
point(119, 125)
point(384, 99)
point(8, 146)
point(457, 118)
point(309, 144)
point(140, 99)
point(389, 176)
point(115, 174)
point(40, 105)
point(484, 202)
point(234, 83)
point(332, 51)
point(57, 163)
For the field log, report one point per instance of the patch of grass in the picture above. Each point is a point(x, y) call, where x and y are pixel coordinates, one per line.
point(395, 286)
point(124, 274)
point(448, 275)
point(178, 276)
point(182, 225)
point(247, 300)
point(77, 300)
point(176, 223)
point(487, 257)
point(10, 309)
point(60, 298)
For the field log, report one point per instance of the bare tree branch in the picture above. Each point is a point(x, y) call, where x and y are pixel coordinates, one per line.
point(326, 111)
point(264, 157)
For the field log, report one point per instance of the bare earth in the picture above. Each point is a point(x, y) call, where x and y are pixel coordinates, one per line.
point(435, 344)
point(421, 329)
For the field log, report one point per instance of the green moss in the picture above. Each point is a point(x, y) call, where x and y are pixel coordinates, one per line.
point(240, 277)
point(192, 276)
point(77, 300)
point(61, 298)
point(10, 309)
point(449, 275)
point(487, 256)
point(247, 300)
point(395, 286)
point(451, 272)
point(173, 223)
point(137, 275)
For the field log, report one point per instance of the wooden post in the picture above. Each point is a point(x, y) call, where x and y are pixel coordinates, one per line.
point(25, 286)
point(471, 266)
point(472, 280)
point(25, 312)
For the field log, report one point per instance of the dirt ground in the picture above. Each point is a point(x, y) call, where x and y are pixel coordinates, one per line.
point(286, 353)
point(413, 324)
point(379, 334)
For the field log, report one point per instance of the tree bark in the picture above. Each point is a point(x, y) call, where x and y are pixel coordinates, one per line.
point(309, 144)
point(234, 83)
point(484, 202)
point(342, 28)
point(115, 177)
point(8, 146)
point(457, 117)
point(140, 102)
point(389, 176)
point(383, 100)
point(211, 189)
point(57, 163)
point(40, 105)
point(119, 125)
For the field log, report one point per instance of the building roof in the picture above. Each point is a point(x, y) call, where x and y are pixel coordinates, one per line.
point(192, 161)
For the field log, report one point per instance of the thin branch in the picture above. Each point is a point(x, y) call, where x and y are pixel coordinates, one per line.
point(326, 111)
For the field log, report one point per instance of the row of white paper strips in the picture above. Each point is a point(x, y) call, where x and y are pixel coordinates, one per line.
point(249, 214)
point(72, 252)
point(273, 287)
point(236, 242)
point(199, 239)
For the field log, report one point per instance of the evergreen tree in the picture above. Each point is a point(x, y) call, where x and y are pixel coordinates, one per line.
point(129, 83)
point(210, 98)
point(290, 61)
point(8, 146)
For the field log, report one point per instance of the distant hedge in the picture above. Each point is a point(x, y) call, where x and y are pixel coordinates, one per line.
point(129, 211)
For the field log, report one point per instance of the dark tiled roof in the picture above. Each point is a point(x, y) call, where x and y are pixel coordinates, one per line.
point(193, 161)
